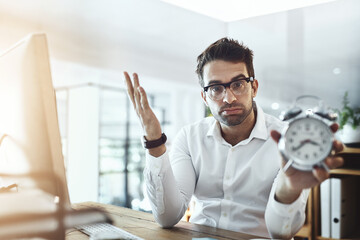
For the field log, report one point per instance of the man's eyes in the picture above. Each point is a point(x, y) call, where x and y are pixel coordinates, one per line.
point(237, 84)
point(217, 88)
point(220, 88)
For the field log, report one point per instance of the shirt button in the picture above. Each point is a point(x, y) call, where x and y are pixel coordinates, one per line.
point(227, 198)
point(287, 226)
point(291, 210)
point(227, 177)
point(224, 214)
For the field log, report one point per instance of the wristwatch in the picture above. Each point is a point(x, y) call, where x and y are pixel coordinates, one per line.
point(154, 143)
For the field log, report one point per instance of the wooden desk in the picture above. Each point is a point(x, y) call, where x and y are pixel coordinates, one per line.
point(143, 225)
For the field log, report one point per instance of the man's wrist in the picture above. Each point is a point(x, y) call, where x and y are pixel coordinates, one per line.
point(286, 197)
point(154, 143)
point(158, 151)
point(284, 193)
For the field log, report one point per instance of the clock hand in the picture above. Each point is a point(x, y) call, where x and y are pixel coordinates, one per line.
point(303, 142)
point(313, 143)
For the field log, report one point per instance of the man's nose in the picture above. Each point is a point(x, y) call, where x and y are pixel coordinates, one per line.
point(229, 96)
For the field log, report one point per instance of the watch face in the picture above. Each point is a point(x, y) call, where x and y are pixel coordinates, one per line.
point(308, 141)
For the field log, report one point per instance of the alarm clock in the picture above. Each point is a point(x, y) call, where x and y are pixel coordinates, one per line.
point(308, 139)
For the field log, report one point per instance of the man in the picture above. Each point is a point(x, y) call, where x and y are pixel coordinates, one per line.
point(227, 162)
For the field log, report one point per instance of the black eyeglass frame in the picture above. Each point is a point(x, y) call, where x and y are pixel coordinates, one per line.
point(227, 85)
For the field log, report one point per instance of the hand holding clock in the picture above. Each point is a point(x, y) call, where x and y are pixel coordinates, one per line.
point(293, 181)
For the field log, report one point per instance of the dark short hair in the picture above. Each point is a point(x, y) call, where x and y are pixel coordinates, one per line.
point(225, 49)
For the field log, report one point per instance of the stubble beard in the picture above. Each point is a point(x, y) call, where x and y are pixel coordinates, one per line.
point(234, 120)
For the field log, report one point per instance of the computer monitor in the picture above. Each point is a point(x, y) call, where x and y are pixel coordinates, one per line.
point(30, 142)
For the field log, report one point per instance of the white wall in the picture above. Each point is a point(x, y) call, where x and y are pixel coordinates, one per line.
point(147, 36)
point(296, 52)
point(82, 144)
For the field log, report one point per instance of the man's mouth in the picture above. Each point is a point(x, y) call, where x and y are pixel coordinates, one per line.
point(232, 111)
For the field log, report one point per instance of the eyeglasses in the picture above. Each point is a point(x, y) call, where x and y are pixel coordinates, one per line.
point(217, 91)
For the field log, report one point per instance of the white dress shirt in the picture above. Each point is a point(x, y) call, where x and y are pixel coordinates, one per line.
point(233, 186)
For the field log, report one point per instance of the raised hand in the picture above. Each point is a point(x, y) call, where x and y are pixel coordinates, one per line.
point(293, 181)
point(148, 120)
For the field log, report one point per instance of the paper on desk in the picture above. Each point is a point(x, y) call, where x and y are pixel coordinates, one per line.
point(204, 238)
point(26, 202)
point(16, 207)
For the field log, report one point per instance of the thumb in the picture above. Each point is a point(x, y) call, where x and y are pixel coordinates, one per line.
point(334, 127)
point(275, 135)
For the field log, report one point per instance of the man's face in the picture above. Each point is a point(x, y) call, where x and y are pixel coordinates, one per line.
point(232, 109)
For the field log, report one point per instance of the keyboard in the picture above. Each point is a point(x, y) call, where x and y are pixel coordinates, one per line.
point(106, 231)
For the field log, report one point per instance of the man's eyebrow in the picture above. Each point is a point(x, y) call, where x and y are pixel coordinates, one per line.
point(212, 82)
point(241, 75)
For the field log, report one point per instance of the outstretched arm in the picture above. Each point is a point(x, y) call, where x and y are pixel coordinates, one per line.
point(293, 181)
point(285, 212)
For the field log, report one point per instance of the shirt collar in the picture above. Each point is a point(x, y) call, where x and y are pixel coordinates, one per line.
point(214, 130)
point(259, 130)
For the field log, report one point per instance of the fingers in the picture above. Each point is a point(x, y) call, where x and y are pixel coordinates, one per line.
point(320, 174)
point(130, 88)
point(136, 93)
point(143, 99)
point(285, 165)
point(338, 146)
point(275, 135)
point(334, 162)
point(334, 127)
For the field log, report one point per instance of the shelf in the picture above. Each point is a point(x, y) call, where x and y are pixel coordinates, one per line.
point(351, 167)
point(323, 238)
point(350, 150)
point(340, 171)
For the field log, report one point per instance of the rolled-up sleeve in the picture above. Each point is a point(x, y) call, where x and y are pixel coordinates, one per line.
point(283, 221)
point(170, 184)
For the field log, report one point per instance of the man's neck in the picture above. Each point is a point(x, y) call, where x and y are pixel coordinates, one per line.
point(238, 133)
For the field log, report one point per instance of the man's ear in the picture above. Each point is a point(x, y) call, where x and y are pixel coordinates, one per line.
point(203, 96)
point(254, 88)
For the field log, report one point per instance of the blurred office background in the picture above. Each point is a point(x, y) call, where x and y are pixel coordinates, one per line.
point(310, 47)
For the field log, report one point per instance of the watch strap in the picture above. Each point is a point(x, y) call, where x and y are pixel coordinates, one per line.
point(155, 143)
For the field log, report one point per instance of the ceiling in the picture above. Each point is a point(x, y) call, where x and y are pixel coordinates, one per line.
point(235, 10)
point(306, 50)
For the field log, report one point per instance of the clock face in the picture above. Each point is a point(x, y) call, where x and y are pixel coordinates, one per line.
point(308, 141)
